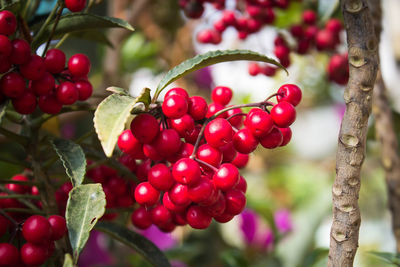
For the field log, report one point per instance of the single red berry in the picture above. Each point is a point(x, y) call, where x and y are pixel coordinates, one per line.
point(235, 201)
point(79, 65)
point(269, 15)
point(186, 171)
point(219, 25)
point(117, 185)
point(142, 170)
point(160, 215)
point(145, 128)
point(334, 25)
point(49, 104)
point(33, 255)
point(253, 25)
point(167, 142)
point(283, 114)
point(146, 194)
point(12, 85)
point(228, 17)
point(179, 195)
point(218, 133)
point(18, 188)
point(259, 122)
point(325, 40)
point(309, 17)
point(5, 65)
point(25, 104)
point(66, 93)
point(228, 153)
point(183, 125)
point(175, 106)
point(85, 89)
point(4, 223)
point(254, 69)
point(209, 155)
point(290, 93)
point(244, 141)
point(286, 135)
point(202, 191)
point(214, 108)
point(224, 217)
point(205, 36)
point(302, 46)
point(268, 70)
point(280, 41)
point(75, 5)
point(197, 217)
point(226, 177)
point(8, 22)
point(160, 177)
point(310, 32)
point(9, 255)
point(241, 25)
point(44, 85)
point(128, 161)
point(218, 207)
point(5, 46)
point(242, 185)
point(281, 52)
point(141, 218)
point(273, 139)
point(36, 229)
point(34, 69)
point(197, 107)
point(221, 95)
point(237, 120)
point(240, 160)
point(58, 227)
point(128, 144)
point(55, 60)
point(297, 31)
point(167, 202)
point(177, 91)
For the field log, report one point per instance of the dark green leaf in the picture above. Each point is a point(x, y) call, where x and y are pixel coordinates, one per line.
point(86, 204)
point(3, 108)
point(73, 159)
point(388, 257)
point(117, 90)
point(136, 241)
point(77, 22)
point(326, 8)
point(96, 36)
point(13, 7)
point(112, 114)
point(68, 261)
point(210, 58)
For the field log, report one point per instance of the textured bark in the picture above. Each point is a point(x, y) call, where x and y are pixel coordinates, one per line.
point(386, 135)
point(363, 65)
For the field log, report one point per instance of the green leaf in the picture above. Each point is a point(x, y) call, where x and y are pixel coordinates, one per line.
point(77, 22)
point(117, 90)
point(68, 261)
point(326, 8)
point(392, 258)
point(210, 58)
point(136, 241)
point(96, 36)
point(3, 108)
point(111, 115)
point(13, 7)
point(73, 159)
point(86, 204)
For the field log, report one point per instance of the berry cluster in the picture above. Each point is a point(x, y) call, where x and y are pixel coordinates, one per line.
point(306, 36)
point(248, 18)
point(30, 80)
point(38, 232)
point(190, 152)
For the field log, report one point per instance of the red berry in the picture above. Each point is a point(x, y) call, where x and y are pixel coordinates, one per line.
point(310, 32)
point(235, 121)
point(224, 217)
point(334, 25)
point(214, 108)
point(145, 128)
point(268, 70)
point(49, 104)
point(177, 91)
point(240, 160)
point(75, 5)
point(325, 40)
point(58, 227)
point(142, 170)
point(287, 135)
point(205, 36)
point(8, 22)
point(202, 191)
point(160, 177)
point(179, 195)
point(186, 171)
point(179, 218)
point(34, 69)
point(146, 194)
point(160, 215)
point(151, 152)
point(197, 107)
point(254, 69)
point(309, 17)
point(117, 185)
point(167, 202)
point(12, 85)
point(5, 46)
point(226, 177)
point(5, 65)
point(85, 89)
point(290, 93)
point(141, 218)
point(218, 207)
point(219, 25)
point(209, 155)
point(198, 218)
point(25, 104)
point(44, 85)
point(228, 17)
point(36, 229)
point(259, 123)
point(175, 106)
point(3, 227)
point(194, 9)
point(281, 52)
point(79, 65)
point(9, 255)
point(221, 95)
point(218, 133)
point(67, 93)
point(183, 125)
point(244, 141)
point(185, 151)
point(228, 153)
point(55, 60)
point(242, 185)
point(283, 114)
point(129, 144)
point(235, 201)
point(273, 139)
point(33, 255)
point(128, 161)
point(167, 142)
point(18, 188)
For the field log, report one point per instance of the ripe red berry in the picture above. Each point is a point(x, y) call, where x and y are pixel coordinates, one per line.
point(259, 123)
point(167, 202)
point(226, 177)
point(129, 144)
point(179, 195)
point(242, 185)
point(151, 152)
point(197, 107)
point(79, 65)
point(145, 128)
point(160, 177)
point(228, 153)
point(281, 52)
point(75, 5)
point(218, 207)
point(209, 155)
point(240, 160)
point(237, 120)
point(160, 215)
point(309, 17)
point(205, 36)
point(141, 218)
point(177, 91)
point(9, 255)
point(290, 93)
point(297, 31)
point(221, 95)
point(33, 255)
point(198, 218)
point(128, 161)
point(214, 108)
point(218, 133)
point(8, 22)
point(5, 46)
point(235, 201)
point(183, 125)
point(44, 85)
point(325, 40)
point(194, 9)
point(85, 89)
point(286, 135)
point(49, 104)
point(186, 171)
point(58, 227)
point(175, 106)
point(34, 69)
point(202, 191)
point(244, 141)
point(268, 70)
point(18, 188)
point(12, 85)
point(67, 93)
point(146, 194)
point(5, 65)
point(55, 60)
point(142, 170)
point(283, 114)
point(167, 142)
point(219, 25)
point(334, 25)
point(25, 104)
point(228, 17)
point(310, 32)
point(36, 229)
point(254, 69)
point(117, 185)
point(273, 139)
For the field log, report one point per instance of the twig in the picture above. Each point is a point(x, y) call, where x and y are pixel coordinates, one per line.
point(58, 16)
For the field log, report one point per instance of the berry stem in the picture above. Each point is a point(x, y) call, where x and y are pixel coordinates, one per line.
point(271, 96)
point(59, 13)
point(5, 214)
point(20, 196)
point(39, 34)
point(27, 211)
point(22, 200)
point(235, 115)
point(205, 163)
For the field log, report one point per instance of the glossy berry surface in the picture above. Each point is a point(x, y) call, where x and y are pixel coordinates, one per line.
point(79, 65)
point(218, 133)
point(36, 229)
point(221, 95)
point(198, 218)
point(160, 177)
point(9, 255)
point(290, 93)
point(283, 114)
point(186, 171)
point(226, 177)
point(141, 218)
point(146, 194)
point(75, 5)
point(58, 227)
point(175, 106)
point(33, 255)
point(145, 128)
point(8, 22)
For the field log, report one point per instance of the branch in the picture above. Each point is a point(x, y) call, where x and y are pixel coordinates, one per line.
point(363, 65)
